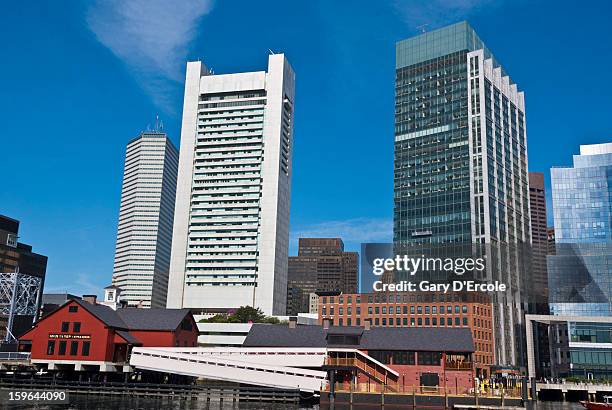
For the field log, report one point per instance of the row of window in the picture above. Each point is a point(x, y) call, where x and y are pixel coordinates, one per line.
point(404, 321)
point(399, 310)
point(76, 327)
point(74, 348)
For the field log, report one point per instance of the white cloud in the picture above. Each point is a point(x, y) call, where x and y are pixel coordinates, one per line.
point(81, 286)
point(151, 37)
point(434, 13)
point(351, 231)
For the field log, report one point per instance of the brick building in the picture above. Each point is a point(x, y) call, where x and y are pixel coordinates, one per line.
point(81, 336)
point(321, 265)
point(417, 310)
point(399, 358)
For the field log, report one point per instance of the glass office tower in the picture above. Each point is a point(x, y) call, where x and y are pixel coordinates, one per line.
point(581, 270)
point(461, 156)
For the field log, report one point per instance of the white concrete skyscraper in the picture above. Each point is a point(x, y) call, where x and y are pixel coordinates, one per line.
point(146, 215)
point(231, 226)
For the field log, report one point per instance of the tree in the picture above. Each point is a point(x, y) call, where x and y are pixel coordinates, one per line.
point(245, 314)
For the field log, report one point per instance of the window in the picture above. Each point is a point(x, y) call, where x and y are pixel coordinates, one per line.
point(340, 322)
point(376, 322)
point(384, 321)
point(73, 309)
point(324, 300)
point(419, 309)
point(50, 347)
point(65, 327)
point(457, 309)
point(85, 349)
point(434, 309)
point(74, 348)
point(358, 322)
point(426, 310)
point(457, 321)
point(465, 322)
point(434, 321)
point(405, 321)
point(403, 357)
point(377, 310)
point(464, 309)
point(62, 348)
point(358, 310)
point(397, 310)
point(412, 309)
point(76, 327)
point(429, 358)
point(340, 311)
point(369, 310)
point(390, 321)
point(420, 321)
point(426, 321)
point(384, 309)
point(405, 309)
point(324, 312)
point(449, 309)
point(348, 322)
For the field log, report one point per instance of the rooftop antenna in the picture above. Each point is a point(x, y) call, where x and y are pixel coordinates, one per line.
point(271, 52)
point(156, 122)
point(423, 27)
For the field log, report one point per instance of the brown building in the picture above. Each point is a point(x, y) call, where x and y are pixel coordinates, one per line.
point(416, 309)
point(16, 255)
point(539, 233)
point(321, 265)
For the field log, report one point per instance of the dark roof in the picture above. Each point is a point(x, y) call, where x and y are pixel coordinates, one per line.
point(104, 313)
point(152, 319)
point(135, 318)
point(377, 338)
point(111, 287)
point(128, 337)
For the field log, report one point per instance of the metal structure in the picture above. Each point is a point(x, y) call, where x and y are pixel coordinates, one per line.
point(19, 294)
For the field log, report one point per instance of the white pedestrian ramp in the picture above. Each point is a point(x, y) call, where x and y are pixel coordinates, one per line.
point(279, 368)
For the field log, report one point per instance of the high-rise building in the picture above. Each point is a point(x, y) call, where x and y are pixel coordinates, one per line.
point(461, 158)
point(231, 226)
point(580, 272)
point(146, 215)
point(321, 265)
point(23, 271)
point(539, 231)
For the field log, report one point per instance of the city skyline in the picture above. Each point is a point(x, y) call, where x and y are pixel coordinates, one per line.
point(84, 211)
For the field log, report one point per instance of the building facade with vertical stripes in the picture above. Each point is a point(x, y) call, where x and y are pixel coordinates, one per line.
point(460, 172)
point(146, 216)
point(231, 227)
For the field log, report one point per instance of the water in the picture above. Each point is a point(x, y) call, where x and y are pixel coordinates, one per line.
point(78, 402)
point(92, 402)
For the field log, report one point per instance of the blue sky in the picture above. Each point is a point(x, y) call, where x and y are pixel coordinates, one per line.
point(79, 81)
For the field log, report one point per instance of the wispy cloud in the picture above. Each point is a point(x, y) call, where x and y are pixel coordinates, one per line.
point(81, 286)
point(352, 231)
point(433, 13)
point(151, 37)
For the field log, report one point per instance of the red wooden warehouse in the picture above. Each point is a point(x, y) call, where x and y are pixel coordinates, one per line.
point(81, 336)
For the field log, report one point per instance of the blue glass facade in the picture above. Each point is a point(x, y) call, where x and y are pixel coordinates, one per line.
point(580, 273)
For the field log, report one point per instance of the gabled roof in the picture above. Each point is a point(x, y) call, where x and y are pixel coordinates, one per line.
point(135, 318)
point(377, 338)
